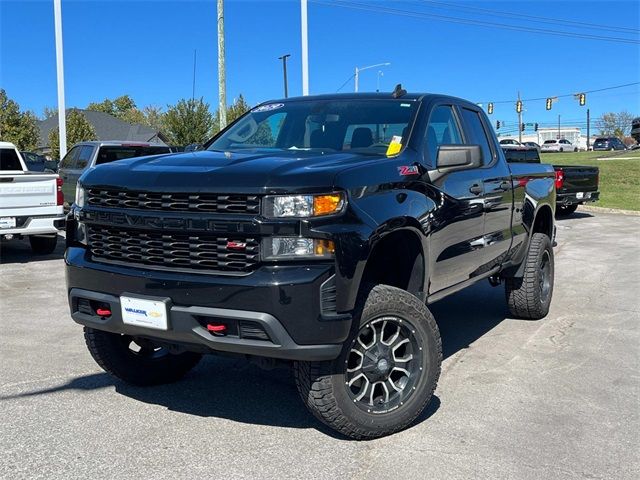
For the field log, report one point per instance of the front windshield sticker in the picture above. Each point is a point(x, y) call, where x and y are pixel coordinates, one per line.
point(268, 107)
point(395, 146)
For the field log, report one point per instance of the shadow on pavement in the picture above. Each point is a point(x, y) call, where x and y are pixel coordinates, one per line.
point(235, 389)
point(19, 251)
point(574, 215)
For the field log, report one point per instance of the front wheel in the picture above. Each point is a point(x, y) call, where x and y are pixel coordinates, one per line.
point(137, 361)
point(386, 374)
point(529, 296)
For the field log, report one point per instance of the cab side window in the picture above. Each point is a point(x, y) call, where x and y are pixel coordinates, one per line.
point(476, 134)
point(84, 156)
point(69, 160)
point(442, 130)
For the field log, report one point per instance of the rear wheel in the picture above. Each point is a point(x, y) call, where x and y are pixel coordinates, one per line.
point(43, 244)
point(529, 296)
point(386, 374)
point(566, 210)
point(137, 361)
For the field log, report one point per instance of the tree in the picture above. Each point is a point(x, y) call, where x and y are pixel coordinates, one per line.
point(122, 107)
point(188, 121)
point(19, 128)
point(153, 117)
point(78, 130)
point(48, 112)
point(617, 124)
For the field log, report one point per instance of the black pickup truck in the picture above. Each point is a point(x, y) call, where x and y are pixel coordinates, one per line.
point(575, 184)
point(314, 230)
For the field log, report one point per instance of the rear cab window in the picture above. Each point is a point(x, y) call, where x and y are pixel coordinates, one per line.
point(112, 153)
point(9, 160)
point(69, 160)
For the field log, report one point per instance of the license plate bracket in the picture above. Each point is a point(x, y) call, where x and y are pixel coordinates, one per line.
point(143, 312)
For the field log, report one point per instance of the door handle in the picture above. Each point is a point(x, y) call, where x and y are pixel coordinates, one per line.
point(505, 186)
point(476, 189)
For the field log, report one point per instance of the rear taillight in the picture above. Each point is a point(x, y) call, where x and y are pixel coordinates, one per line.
point(59, 192)
point(559, 179)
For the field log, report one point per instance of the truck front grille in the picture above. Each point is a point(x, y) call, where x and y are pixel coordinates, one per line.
point(173, 250)
point(174, 202)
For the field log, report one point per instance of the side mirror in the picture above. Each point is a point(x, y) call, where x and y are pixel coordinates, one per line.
point(458, 157)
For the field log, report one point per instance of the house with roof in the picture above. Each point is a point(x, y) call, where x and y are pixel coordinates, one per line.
point(107, 127)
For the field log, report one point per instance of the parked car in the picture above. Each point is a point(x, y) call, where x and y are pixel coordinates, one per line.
point(30, 202)
point(561, 145)
point(608, 143)
point(575, 184)
point(635, 129)
point(510, 142)
point(319, 244)
point(531, 145)
point(38, 163)
point(86, 155)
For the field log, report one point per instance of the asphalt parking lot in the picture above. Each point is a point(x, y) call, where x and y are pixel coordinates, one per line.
point(556, 398)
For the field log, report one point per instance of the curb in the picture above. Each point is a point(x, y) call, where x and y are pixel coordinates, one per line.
point(618, 211)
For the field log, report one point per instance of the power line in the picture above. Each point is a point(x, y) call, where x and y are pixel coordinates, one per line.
point(535, 18)
point(565, 95)
point(479, 23)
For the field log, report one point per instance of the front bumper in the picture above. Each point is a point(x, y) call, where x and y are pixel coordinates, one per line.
point(285, 302)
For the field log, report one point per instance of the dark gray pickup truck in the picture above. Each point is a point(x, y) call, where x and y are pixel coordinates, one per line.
point(575, 184)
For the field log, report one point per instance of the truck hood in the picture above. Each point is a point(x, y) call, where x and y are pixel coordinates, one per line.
point(252, 172)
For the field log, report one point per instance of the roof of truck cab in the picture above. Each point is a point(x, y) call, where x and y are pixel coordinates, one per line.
point(368, 96)
point(7, 145)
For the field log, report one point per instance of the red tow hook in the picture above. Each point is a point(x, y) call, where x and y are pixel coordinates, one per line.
point(103, 312)
point(217, 328)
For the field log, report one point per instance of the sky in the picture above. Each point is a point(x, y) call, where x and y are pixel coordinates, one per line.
point(146, 49)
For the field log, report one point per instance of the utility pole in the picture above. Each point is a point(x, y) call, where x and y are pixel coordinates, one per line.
point(519, 122)
point(588, 127)
point(222, 77)
point(62, 120)
point(558, 126)
point(304, 33)
point(284, 70)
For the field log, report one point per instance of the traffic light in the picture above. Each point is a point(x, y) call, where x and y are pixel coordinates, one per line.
point(519, 106)
point(490, 108)
point(582, 98)
point(549, 103)
point(522, 127)
point(535, 127)
point(497, 124)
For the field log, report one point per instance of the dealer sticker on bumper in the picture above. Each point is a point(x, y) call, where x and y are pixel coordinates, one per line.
point(144, 313)
point(7, 222)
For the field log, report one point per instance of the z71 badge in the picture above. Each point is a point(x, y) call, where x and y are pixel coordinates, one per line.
point(409, 170)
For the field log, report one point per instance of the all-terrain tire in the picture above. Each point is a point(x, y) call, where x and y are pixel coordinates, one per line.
point(529, 296)
point(112, 352)
point(324, 390)
point(43, 245)
point(566, 210)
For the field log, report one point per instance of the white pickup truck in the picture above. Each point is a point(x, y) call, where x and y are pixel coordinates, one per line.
point(31, 203)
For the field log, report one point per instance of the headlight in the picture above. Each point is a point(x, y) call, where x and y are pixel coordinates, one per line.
point(303, 206)
point(291, 248)
point(79, 196)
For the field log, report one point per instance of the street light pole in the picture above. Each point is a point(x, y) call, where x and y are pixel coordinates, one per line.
point(305, 47)
point(62, 121)
point(222, 79)
point(284, 70)
point(358, 70)
point(380, 74)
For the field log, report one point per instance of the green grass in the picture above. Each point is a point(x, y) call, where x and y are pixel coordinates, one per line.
point(619, 179)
